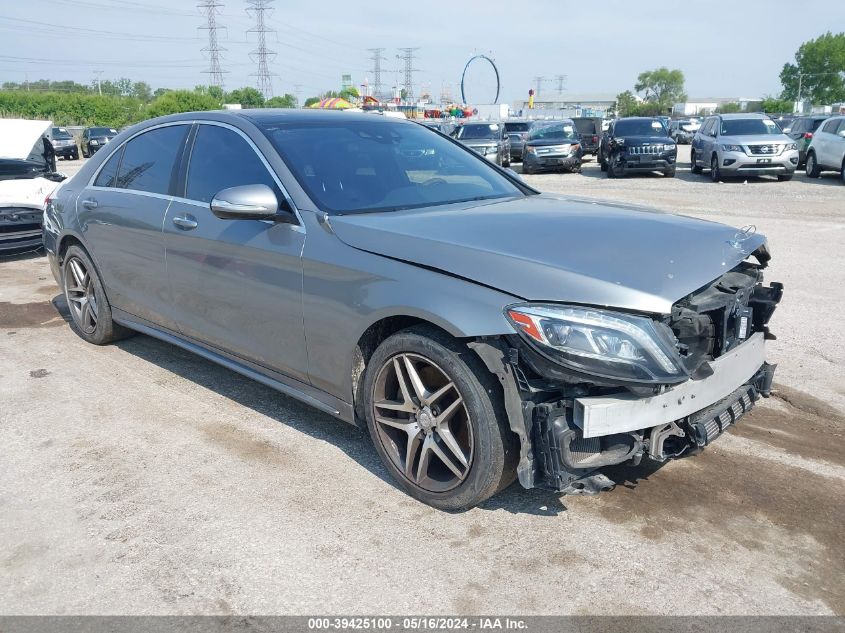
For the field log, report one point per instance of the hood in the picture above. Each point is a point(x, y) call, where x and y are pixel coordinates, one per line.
point(554, 142)
point(756, 139)
point(21, 139)
point(550, 248)
point(480, 142)
point(634, 141)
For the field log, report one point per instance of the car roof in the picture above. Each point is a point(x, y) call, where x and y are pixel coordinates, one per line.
point(745, 115)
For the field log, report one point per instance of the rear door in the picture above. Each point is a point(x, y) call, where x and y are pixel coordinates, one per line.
point(236, 284)
point(121, 212)
point(823, 140)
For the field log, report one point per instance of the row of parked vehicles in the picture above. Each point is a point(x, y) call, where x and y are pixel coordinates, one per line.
point(92, 139)
point(726, 145)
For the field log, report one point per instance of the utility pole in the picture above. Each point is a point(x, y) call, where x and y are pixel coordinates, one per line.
point(407, 57)
point(99, 74)
point(377, 58)
point(210, 9)
point(259, 11)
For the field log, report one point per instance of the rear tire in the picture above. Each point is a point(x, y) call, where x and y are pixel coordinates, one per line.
point(812, 168)
point(602, 162)
point(476, 427)
point(670, 173)
point(90, 311)
point(842, 172)
point(694, 166)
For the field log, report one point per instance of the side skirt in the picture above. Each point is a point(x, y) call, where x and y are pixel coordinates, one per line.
point(284, 384)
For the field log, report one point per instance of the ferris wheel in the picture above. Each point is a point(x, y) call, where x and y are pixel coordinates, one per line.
point(480, 59)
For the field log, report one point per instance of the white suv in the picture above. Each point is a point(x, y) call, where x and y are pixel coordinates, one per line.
point(827, 149)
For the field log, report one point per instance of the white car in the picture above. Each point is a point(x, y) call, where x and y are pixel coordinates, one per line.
point(27, 178)
point(827, 149)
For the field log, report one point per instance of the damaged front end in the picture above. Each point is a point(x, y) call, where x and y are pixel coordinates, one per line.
point(586, 388)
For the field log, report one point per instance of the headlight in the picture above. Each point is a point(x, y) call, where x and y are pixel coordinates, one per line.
point(601, 343)
point(670, 148)
point(619, 141)
point(732, 148)
point(530, 149)
point(574, 148)
point(94, 141)
point(791, 146)
point(491, 150)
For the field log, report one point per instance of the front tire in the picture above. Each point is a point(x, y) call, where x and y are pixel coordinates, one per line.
point(435, 416)
point(694, 166)
point(715, 172)
point(90, 311)
point(784, 177)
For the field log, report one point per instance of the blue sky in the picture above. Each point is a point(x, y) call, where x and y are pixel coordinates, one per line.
point(732, 49)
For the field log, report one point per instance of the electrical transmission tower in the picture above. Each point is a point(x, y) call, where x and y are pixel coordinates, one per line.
point(561, 83)
point(538, 82)
point(377, 59)
point(259, 10)
point(210, 9)
point(407, 57)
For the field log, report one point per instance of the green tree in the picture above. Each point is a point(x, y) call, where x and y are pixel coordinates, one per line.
point(662, 86)
point(773, 104)
point(141, 90)
point(819, 68)
point(311, 101)
point(729, 108)
point(626, 104)
point(287, 101)
point(248, 97)
point(350, 94)
point(175, 101)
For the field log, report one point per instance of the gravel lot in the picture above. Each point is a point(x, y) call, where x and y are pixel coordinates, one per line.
point(140, 479)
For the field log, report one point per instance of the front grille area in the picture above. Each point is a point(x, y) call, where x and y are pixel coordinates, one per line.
point(765, 150)
point(554, 149)
point(640, 150)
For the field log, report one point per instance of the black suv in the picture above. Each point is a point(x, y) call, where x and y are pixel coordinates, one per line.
point(64, 144)
point(637, 144)
point(93, 138)
point(589, 129)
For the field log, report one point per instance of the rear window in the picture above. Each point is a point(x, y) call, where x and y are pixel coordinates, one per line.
point(585, 126)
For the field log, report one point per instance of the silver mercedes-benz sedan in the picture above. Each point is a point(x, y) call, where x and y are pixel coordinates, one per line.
point(383, 273)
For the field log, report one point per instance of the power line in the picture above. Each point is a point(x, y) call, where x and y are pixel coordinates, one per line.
point(215, 73)
point(407, 57)
point(377, 59)
point(258, 10)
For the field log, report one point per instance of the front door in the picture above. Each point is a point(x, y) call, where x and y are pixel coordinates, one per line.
point(236, 284)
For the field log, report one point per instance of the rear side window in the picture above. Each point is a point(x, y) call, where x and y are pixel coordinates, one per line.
point(221, 159)
point(831, 126)
point(108, 174)
point(841, 127)
point(148, 159)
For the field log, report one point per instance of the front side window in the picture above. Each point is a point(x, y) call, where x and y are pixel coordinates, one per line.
point(108, 174)
point(359, 166)
point(220, 159)
point(148, 159)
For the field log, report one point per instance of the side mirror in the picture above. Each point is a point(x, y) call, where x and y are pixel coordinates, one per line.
point(249, 202)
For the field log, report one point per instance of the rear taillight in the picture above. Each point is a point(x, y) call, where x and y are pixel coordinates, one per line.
point(595, 139)
point(808, 135)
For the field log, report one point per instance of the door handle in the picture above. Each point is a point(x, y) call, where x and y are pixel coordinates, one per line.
point(185, 222)
point(89, 203)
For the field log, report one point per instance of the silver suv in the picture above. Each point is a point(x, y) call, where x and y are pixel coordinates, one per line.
point(827, 149)
point(747, 144)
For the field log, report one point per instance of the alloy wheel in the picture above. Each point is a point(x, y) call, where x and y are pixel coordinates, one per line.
point(422, 422)
point(80, 295)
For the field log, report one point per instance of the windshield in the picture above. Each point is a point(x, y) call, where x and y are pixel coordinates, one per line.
point(59, 133)
point(744, 127)
point(554, 132)
point(102, 131)
point(486, 131)
point(639, 127)
point(356, 166)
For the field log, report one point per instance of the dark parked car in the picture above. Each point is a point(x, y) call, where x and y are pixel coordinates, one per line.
point(481, 331)
point(64, 143)
point(517, 132)
point(589, 130)
point(682, 131)
point(94, 138)
point(636, 145)
point(552, 146)
point(488, 139)
point(801, 130)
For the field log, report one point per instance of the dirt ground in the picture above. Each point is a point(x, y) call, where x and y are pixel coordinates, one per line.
point(139, 479)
